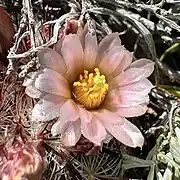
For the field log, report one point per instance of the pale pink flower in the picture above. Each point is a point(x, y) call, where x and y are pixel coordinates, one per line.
point(91, 88)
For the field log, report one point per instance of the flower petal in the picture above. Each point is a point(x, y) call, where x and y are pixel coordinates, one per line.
point(33, 92)
point(72, 53)
point(30, 78)
point(117, 59)
point(57, 47)
point(81, 32)
point(68, 112)
point(72, 134)
point(127, 59)
point(108, 138)
point(52, 60)
point(133, 111)
point(122, 129)
point(136, 72)
point(143, 63)
point(108, 116)
point(93, 130)
point(127, 98)
point(70, 131)
point(48, 108)
point(52, 82)
point(30, 87)
point(144, 86)
point(137, 110)
point(90, 52)
point(106, 44)
point(68, 124)
point(85, 114)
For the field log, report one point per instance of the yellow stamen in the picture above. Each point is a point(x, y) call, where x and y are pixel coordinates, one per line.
point(91, 89)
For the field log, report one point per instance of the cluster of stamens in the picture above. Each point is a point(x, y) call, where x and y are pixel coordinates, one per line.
point(91, 89)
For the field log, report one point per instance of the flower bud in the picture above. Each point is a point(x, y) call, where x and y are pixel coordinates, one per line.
point(23, 163)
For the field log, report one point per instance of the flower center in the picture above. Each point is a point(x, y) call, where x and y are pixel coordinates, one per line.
point(91, 89)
